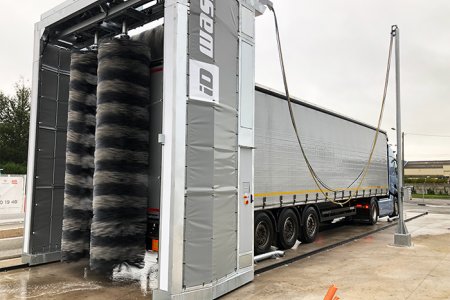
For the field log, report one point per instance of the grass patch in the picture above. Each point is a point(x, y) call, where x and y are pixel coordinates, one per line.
point(428, 196)
point(13, 168)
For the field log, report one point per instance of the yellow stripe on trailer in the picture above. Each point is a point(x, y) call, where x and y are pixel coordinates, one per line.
point(303, 192)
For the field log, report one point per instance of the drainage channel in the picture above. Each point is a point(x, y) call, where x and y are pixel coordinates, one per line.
point(328, 247)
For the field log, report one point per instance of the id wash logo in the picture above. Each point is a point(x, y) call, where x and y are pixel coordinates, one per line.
point(204, 77)
point(207, 28)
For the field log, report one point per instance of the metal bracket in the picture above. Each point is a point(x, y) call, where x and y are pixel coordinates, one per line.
point(161, 138)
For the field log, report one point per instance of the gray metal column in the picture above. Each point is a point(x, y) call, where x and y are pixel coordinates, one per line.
point(173, 150)
point(46, 153)
point(206, 233)
point(401, 237)
point(246, 135)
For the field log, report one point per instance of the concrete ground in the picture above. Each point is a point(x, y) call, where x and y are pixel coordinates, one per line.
point(369, 268)
point(11, 242)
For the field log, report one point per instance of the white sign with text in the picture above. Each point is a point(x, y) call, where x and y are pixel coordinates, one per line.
point(12, 194)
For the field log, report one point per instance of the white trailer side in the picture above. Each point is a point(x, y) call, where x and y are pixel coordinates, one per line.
point(337, 147)
point(288, 204)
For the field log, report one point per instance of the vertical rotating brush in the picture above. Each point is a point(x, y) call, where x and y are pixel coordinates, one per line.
point(154, 38)
point(121, 155)
point(77, 213)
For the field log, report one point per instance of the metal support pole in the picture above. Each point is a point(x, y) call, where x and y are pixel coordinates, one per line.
point(401, 237)
point(124, 34)
point(403, 154)
point(124, 27)
point(94, 46)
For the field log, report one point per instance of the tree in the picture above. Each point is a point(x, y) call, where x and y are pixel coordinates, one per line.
point(14, 126)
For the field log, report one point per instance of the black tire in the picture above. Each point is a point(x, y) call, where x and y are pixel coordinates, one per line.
point(288, 229)
point(395, 212)
point(310, 225)
point(264, 233)
point(373, 212)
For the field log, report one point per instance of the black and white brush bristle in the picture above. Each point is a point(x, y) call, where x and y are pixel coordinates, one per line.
point(78, 190)
point(121, 155)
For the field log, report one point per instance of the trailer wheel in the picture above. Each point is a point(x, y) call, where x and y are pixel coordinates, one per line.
point(264, 233)
point(287, 229)
point(373, 212)
point(310, 225)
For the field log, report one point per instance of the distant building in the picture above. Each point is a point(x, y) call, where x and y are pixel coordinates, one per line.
point(433, 168)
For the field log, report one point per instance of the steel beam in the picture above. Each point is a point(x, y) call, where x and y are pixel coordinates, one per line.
point(94, 21)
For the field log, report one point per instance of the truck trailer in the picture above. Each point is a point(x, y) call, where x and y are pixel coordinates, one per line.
point(287, 202)
point(160, 141)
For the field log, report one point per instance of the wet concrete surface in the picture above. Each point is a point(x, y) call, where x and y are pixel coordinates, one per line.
point(62, 281)
point(368, 268)
point(70, 281)
point(328, 236)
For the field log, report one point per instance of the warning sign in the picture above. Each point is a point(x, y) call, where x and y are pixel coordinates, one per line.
point(12, 193)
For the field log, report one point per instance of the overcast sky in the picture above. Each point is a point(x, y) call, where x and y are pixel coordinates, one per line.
point(335, 55)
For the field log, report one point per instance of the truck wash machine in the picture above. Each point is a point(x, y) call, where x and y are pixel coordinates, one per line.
point(200, 136)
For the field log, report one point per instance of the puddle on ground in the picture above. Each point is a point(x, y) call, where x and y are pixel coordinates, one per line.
point(73, 281)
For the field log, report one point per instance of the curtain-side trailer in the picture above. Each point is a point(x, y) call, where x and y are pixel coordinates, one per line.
point(287, 202)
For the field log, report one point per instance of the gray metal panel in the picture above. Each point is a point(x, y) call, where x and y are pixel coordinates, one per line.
point(60, 161)
point(57, 218)
point(155, 155)
point(47, 109)
point(173, 170)
point(211, 156)
point(247, 82)
point(51, 57)
point(199, 194)
point(194, 33)
point(49, 84)
point(227, 49)
point(47, 199)
point(211, 180)
point(198, 269)
point(61, 120)
point(225, 190)
point(44, 157)
point(63, 87)
point(246, 209)
point(337, 148)
point(40, 236)
point(200, 145)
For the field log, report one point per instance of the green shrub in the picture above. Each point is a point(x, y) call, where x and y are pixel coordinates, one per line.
point(13, 168)
point(416, 180)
